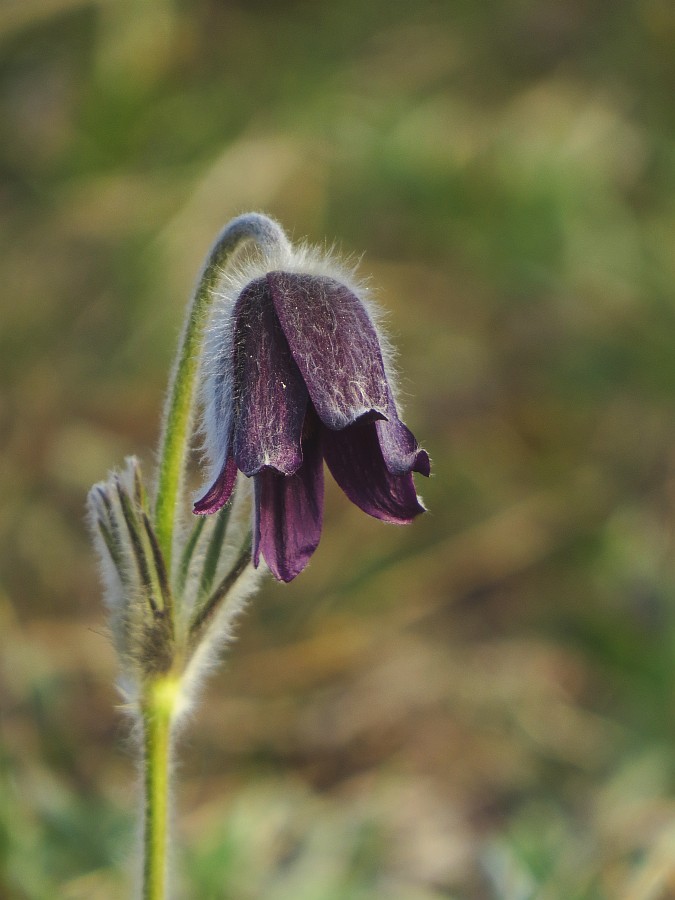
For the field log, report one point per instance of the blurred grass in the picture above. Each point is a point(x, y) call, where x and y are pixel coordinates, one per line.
point(479, 706)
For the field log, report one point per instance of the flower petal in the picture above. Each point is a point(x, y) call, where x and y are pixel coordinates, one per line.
point(219, 493)
point(270, 395)
point(289, 514)
point(400, 450)
point(335, 346)
point(355, 459)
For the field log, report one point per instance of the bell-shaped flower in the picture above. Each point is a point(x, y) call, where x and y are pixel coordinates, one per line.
point(297, 376)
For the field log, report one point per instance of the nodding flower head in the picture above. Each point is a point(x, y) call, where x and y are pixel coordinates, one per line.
point(295, 374)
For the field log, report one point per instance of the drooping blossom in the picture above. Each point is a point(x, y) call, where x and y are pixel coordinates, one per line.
point(297, 376)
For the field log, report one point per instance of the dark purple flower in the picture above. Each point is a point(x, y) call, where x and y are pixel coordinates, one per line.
point(302, 379)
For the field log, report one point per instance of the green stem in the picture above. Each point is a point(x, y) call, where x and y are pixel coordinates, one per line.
point(179, 409)
point(157, 715)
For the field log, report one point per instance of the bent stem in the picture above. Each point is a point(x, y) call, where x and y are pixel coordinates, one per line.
point(160, 690)
point(179, 409)
point(157, 712)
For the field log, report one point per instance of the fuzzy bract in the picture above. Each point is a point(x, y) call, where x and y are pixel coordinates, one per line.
point(299, 378)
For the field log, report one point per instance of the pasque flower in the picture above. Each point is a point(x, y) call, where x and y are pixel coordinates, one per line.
point(292, 371)
point(296, 376)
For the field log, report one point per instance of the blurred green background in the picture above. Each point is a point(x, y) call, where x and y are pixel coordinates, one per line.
point(480, 705)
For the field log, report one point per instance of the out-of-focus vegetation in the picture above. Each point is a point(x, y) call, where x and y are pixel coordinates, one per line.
point(481, 705)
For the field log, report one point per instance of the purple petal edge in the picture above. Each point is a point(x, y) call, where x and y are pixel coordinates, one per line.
point(220, 491)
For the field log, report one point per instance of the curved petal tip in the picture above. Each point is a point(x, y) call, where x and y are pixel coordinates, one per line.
point(219, 493)
point(422, 463)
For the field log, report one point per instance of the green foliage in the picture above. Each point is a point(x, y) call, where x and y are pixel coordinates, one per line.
point(479, 706)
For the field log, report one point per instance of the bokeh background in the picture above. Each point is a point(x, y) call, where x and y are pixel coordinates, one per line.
point(480, 705)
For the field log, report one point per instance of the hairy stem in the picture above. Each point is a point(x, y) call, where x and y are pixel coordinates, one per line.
point(179, 409)
point(157, 714)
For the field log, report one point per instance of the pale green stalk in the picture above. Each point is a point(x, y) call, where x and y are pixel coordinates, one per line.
point(180, 404)
point(158, 708)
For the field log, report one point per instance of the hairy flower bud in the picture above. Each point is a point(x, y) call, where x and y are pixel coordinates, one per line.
point(297, 375)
